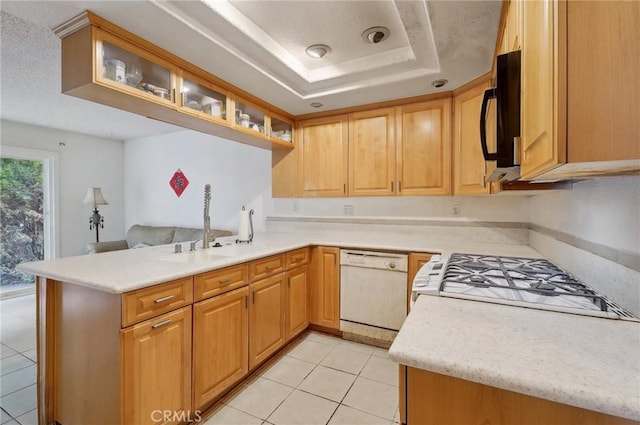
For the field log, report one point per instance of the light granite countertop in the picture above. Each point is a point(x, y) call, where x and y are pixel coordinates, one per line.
point(588, 362)
point(122, 271)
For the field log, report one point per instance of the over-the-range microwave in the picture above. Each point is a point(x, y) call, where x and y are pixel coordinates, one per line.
point(507, 95)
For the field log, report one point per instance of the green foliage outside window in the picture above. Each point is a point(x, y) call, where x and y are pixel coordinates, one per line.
point(21, 217)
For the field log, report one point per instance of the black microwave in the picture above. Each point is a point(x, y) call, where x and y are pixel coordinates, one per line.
point(507, 96)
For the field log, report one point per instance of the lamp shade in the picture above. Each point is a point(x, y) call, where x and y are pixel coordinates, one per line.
point(94, 197)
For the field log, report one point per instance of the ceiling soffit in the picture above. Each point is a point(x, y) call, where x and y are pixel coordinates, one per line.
point(272, 40)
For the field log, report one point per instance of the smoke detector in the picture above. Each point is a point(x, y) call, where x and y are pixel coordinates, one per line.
point(376, 35)
point(439, 83)
point(318, 51)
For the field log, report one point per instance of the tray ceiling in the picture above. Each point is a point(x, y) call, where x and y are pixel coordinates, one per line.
point(260, 45)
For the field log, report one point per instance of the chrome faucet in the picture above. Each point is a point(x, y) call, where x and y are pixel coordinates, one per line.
point(207, 237)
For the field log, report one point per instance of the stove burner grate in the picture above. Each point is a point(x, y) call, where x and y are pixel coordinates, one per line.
point(536, 276)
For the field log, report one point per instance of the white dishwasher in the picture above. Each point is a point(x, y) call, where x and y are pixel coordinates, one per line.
point(373, 295)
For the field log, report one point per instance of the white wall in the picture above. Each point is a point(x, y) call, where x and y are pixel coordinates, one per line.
point(239, 175)
point(604, 210)
point(83, 161)
point(476, 208)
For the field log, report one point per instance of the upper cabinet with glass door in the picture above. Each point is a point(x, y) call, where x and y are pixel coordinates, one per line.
point(281, 130)
point(203, 99)
point(249, 117)
point(126, 67)
point(106, 64)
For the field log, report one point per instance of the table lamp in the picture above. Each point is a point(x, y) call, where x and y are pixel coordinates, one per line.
point(94, 197)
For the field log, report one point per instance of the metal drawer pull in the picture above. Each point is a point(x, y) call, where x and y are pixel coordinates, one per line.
point(270, 267)
point(164, 322)
point(163, 299)
point(222, 282)
point(297, 259)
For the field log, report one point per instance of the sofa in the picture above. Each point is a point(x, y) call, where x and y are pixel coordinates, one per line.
point(139, 236)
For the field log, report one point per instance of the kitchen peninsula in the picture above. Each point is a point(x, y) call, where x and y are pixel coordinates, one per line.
point(119, 332)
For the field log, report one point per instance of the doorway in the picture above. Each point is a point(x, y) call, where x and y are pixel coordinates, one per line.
point(27, 233)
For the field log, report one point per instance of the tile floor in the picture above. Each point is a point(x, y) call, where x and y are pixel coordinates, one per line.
point(18, 360)
point(320, 380)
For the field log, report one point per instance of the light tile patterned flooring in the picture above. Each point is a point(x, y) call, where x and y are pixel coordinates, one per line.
point(319, 380)
point(18, 360)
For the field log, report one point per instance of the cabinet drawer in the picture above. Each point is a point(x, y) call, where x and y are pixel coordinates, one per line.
point(207, 285)
point(266, 267)
point(146, 303)
point(297, 258)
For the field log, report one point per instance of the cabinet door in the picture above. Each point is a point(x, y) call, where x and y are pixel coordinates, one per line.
point(372, 153)
point(514, 26)
point(297, 317)
point(423, 150)
point(156, 367)
point(266, 318)
point(133, 70)
point(541, 148)
point(220, 344)
point(324, 293)
point(469, 165)
point(324, 156)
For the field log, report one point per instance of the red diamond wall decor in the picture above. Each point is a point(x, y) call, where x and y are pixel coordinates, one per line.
point(179, 182)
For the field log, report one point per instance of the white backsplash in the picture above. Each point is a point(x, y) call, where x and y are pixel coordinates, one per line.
point(621, 284)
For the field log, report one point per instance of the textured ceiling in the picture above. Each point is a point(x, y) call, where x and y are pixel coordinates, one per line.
point(256, 45)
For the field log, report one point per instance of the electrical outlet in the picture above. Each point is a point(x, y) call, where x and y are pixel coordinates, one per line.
point(456, 210)
point(294, 206)
point(348, 210)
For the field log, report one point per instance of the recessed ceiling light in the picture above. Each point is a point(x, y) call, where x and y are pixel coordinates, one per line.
point(439, 83)
point(318, 51)
point(317, 105)
point(376, 35)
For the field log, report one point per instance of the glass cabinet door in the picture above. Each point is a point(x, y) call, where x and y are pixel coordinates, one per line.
point(203, 99)
point(249, 116)
point(281, 130)
point(132, 68)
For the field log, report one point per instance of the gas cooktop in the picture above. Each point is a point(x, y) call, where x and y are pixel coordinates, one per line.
point(527, 282)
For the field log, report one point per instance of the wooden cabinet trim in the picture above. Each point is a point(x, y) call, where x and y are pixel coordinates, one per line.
point(298, 257)
point(216, 282)
point(267, 266)
point(152, 301)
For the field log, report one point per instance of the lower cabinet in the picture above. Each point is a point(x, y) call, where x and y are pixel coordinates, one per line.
point(156, 362)
point(266, 318)
point(324, 291)
point(432, 398)
point(297, 318)
point(220, 344)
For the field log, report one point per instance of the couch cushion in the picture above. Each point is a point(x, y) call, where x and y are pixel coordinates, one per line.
point(184, 234)
point(149, 235)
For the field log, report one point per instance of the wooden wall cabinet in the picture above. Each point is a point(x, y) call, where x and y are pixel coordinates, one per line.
point(577, 120)
point(423, 149)
point(323, 156)
point(220, 344)
point(266, 318)
point(372, 153)
point(470, 170)
point(324, 291)
point(106, 64)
